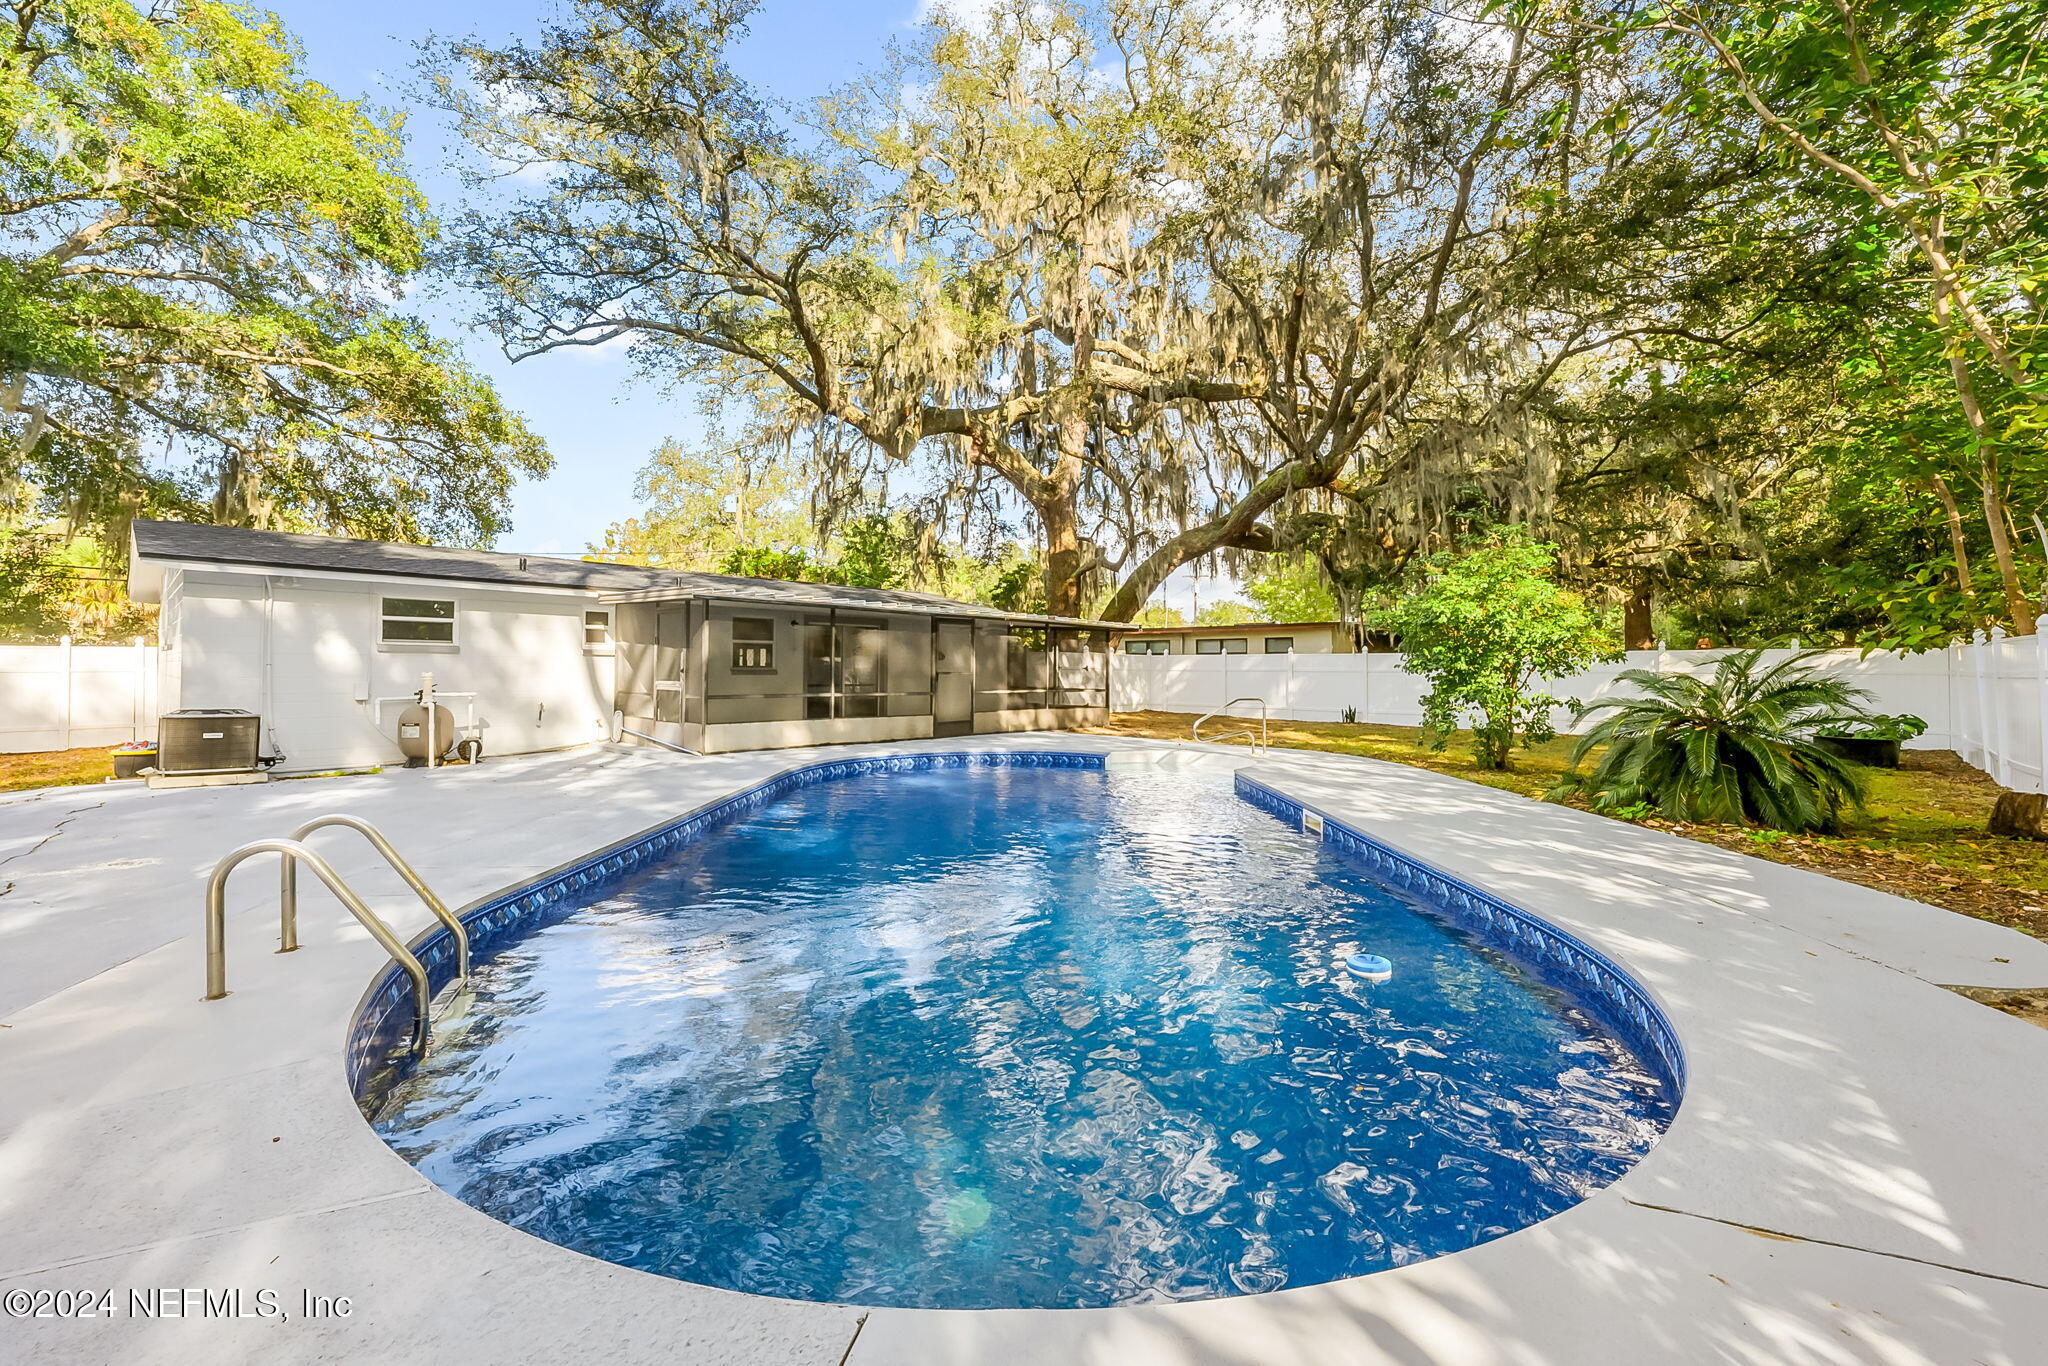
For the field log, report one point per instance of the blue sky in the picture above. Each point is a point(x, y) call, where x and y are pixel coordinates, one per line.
point(597, 422)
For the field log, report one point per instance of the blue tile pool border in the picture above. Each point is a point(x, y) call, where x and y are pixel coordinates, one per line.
point(383, 1019)
point(1552, 955)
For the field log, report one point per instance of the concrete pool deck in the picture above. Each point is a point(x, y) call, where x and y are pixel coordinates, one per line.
point(1857, 1173)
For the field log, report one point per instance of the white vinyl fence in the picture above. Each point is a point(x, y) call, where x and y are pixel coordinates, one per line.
point(72, 696)
point(1987, 700)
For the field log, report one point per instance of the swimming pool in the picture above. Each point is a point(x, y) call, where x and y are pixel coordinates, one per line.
point(1005, 1036)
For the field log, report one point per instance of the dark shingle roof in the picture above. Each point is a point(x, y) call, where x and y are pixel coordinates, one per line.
point(291, 550)
point(198, 542)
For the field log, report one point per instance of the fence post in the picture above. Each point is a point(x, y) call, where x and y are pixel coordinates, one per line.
point(1981, 748)
point(2041, 695)
point(142, 659)
point(1997, 732)
point(64, 711)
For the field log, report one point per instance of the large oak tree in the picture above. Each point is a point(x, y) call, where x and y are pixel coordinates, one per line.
point(1171, 276)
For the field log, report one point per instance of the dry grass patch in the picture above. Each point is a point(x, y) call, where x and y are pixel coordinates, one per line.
point(54, 768)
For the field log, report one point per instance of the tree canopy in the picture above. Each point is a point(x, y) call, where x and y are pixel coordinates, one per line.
point(203, 253)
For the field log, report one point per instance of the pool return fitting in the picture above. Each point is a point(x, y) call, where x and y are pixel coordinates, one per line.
point(295, 852)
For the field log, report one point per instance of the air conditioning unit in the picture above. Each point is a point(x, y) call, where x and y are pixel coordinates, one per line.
point(207, 740)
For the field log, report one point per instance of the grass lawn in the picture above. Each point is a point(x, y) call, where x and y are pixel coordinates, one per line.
point(1923, 837)
point(54, 768)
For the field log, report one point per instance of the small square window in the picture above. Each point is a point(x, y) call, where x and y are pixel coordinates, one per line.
point(1279, 645)
point(597, 628)
point(753, 645)
point(408, 621)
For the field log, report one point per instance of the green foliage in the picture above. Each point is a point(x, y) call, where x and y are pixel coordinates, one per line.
point(1876, 726)
point(1291, 589)
point(1740, 746)
point(1482, 626)
point(768, 562)
point(1226, 613)
point(53, 585)
point(701, 504)
point(202, 246)
point(874, 553)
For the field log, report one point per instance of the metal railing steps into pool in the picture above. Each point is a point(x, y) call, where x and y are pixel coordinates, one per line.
point(295, 852)
point(1195, 731)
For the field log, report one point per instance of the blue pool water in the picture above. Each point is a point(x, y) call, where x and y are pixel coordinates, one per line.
point(1008, 1037)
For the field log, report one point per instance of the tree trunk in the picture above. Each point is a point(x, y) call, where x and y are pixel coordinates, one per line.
point(2018, 610)
point(1637, 632)
point(1063, 556)
point(1958, 541)
point(2020, 815)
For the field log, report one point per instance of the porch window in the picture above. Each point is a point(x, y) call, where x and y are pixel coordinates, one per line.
point(753, 645)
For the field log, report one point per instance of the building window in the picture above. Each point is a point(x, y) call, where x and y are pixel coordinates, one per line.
point(753, 645)
point(1145, 647)
point(1231, 646)
point(411, 621)
point(1279, 645)
point(597, 630)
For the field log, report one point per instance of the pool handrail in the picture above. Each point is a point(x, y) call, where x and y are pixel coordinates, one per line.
point(295, 852)
point(288, 886)
point(1260, 744)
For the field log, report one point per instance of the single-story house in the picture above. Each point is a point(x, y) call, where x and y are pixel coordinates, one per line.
point(1255, 637)
point(326, 639)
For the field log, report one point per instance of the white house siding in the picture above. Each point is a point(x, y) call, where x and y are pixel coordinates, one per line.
point(521, 653)
point(1308, 640)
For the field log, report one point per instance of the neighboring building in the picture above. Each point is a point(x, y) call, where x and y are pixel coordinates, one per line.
point(1258, 637)
point(326, 638)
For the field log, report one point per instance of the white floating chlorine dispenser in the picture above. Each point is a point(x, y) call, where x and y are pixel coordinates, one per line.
point(1370, 966)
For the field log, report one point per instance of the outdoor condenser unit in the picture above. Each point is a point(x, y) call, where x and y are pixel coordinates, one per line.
point(207, 740)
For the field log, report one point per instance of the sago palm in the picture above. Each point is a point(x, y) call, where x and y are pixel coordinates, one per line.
point(1738, 746)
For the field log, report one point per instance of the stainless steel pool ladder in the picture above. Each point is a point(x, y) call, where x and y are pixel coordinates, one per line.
point(1195, 731)
point(295, 852)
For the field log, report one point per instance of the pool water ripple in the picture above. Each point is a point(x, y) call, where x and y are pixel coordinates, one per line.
point(1006, 1037)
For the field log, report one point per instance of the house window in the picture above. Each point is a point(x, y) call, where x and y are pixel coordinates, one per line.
point(411, 621)
point(753, 645)
point(1232, 646)
point(1145, 647)
point(1279, 645)
point(597, 629)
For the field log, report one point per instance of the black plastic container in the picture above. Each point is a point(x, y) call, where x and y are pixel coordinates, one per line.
point(1863, 749)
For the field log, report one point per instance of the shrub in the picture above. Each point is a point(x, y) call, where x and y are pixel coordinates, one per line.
point(1738, 747)
point(1482, 627)
point(1904, 726)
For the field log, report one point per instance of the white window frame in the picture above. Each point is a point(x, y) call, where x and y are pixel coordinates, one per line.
point(453, 621)
point(610, 641)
